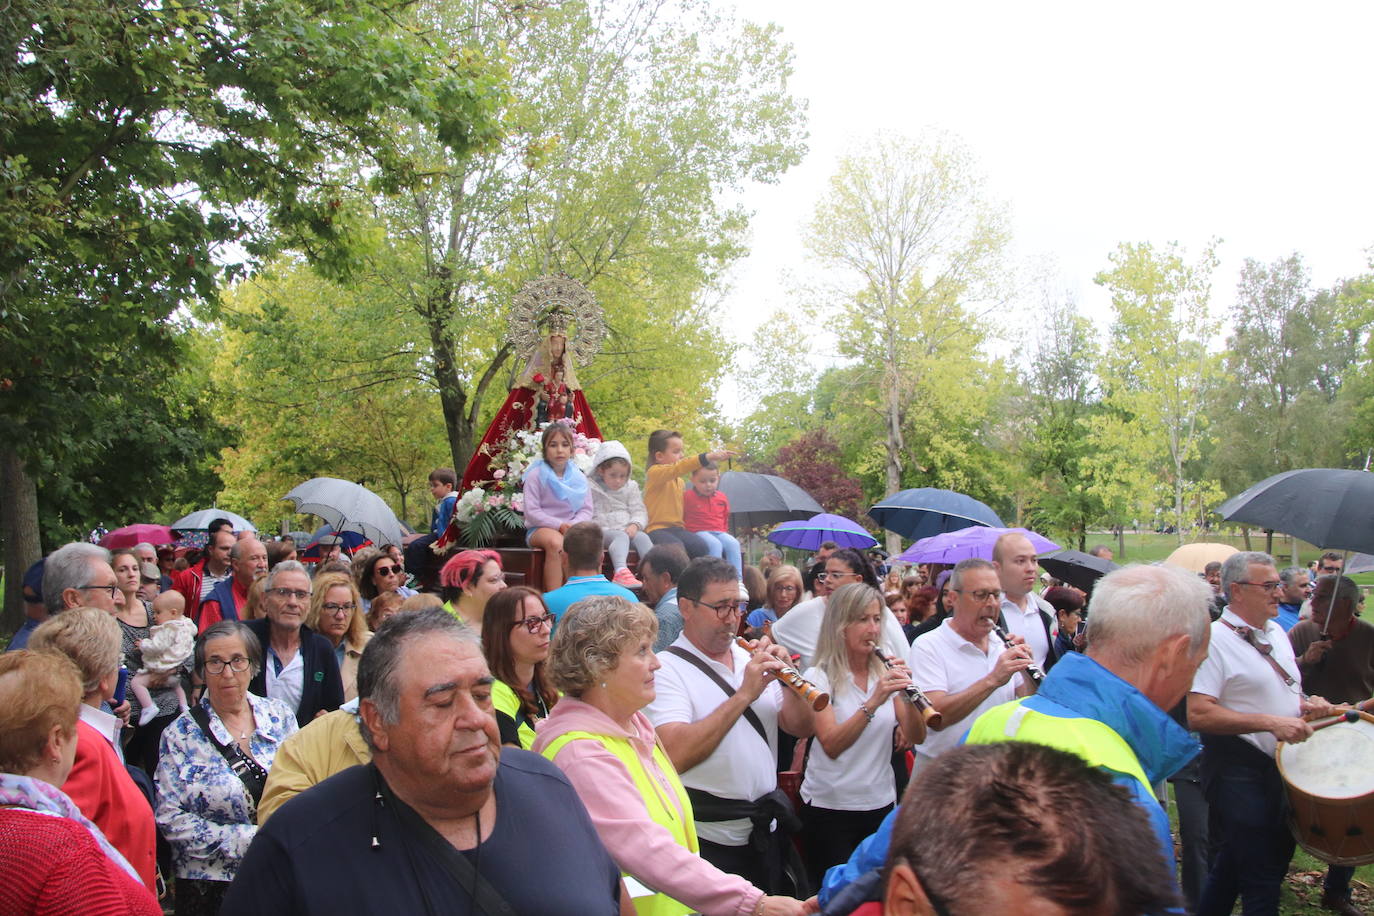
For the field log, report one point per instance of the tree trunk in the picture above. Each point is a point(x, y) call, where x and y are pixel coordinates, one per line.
point(1245, 533)
point(19, 528)
point(1120, 543)
point(1269, 541)
point(453, 400)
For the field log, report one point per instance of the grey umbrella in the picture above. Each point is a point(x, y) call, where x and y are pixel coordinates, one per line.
point(1331, 508)
point(201, 519)
point(765, 499)
point(1081, 570)
point(348, 507)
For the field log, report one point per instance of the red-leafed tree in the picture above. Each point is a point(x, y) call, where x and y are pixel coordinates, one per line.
point(812, 462)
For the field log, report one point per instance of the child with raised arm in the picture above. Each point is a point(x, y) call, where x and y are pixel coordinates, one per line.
point(706, 512)
point(619, 509)
point(170, 641)
point(556, 498)
point(663, 490)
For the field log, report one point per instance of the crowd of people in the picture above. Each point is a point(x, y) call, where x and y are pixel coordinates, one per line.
point(654, 726)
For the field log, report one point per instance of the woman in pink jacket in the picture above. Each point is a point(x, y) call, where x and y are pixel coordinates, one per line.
point(602, 659)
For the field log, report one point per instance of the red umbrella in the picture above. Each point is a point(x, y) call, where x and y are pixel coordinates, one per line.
point(130, 535)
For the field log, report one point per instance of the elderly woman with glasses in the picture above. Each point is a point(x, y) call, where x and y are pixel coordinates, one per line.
point(783, 593)
point(515, 641)
point(376, 571)
point(215, 759)
point(336, 613)
point(602, 659)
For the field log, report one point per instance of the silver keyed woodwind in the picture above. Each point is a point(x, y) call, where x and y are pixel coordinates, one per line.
point(913, 693)
point(1032, 669)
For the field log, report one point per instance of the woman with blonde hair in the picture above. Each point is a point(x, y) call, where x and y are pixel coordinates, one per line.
point(56, 860)
point(783, 594)
point(602, 659)
point(849, 786)
point(336, 613)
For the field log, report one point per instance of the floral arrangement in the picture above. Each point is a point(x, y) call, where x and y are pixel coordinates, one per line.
point(487, 509)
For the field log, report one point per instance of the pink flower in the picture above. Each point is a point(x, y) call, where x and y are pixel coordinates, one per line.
point(499, 474)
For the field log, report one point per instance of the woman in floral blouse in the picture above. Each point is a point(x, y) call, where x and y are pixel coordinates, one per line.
point(206, 810)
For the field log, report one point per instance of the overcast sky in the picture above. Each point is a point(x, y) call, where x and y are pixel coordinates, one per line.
point(1097, 123)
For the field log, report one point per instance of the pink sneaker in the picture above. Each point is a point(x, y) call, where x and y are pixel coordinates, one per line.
point(624, 577)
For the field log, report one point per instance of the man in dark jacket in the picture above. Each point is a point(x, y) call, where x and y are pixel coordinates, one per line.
point(195, 582)
point(299, 666)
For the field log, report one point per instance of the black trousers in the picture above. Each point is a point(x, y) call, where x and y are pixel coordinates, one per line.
point(829, 837)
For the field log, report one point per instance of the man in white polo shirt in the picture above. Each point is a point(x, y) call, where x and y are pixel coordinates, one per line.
point(1025, 613)
point(961, 666)
point(717, 710)
point(1246, 697)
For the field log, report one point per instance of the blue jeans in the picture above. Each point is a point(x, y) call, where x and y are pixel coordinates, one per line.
point(722, 544)
point(1251, 841)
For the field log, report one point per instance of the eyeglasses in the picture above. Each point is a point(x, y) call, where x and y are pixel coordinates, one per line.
point(217, 665)
point(388, 570)
point(981, 595)
point(1267, 586)
point(297, 593)
point(724, 611)
point(535, 624)
point(100, 588)
point(787, 588)
point(336, 608)
point(822, 576)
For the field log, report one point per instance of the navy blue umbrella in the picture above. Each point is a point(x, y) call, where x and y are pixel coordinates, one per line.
point(927, 511)
point(352, 540)
point(1326, 507)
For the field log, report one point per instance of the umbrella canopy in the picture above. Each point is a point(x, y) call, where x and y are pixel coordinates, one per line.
point(200, 520)
point(926, 511)
point(814, 531)
point(1326, 507)
point(1195, 557)
point(763, 499)
point(1081, 570)
point(348, 507)
point(129, 535)
point(967, 544)
point(352, 540)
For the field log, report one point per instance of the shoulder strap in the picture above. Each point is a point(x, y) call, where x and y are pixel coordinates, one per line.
point(719, 681)
point(1273, 663)
point(248, 770)
point(485, 897)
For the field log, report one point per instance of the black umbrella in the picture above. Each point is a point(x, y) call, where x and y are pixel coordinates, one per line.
point(1331, 508)
point(763, 499)
point(1081, 570)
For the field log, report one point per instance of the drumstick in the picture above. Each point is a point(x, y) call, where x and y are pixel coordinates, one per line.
point(1349, 715)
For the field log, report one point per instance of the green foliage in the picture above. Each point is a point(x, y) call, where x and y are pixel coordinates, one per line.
point(1159, 380)
point(486, 526)
point(1060, 400)
point(1287, 358)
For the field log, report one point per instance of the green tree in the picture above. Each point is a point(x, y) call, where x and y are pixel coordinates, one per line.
point(628, 122)
point(1159, 379)
point(914, 244)
point(1289, 353)
point(149, 149)
point(1060, 398)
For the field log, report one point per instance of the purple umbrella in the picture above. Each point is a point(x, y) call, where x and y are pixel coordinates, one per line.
point(967, 544)
point(810, 534)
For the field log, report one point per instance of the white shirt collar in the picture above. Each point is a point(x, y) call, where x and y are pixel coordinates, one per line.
point(108, 725)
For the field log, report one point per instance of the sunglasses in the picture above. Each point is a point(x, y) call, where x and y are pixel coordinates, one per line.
point(388, 570)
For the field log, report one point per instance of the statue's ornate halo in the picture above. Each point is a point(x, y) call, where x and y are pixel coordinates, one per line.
point(556, 304)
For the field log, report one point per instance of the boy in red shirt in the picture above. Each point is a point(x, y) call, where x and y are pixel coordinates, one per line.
point(706, 511)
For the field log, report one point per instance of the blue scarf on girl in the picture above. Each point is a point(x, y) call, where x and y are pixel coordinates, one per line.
point(571, 488)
